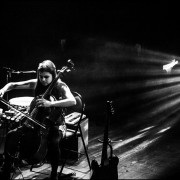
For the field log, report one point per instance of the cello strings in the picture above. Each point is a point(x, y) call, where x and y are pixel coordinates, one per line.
point(25, 115)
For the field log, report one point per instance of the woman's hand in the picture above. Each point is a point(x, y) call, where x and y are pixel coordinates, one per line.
point(1, 92)
point(43, 103)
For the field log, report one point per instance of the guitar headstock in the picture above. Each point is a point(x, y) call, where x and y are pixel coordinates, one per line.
point(110, 109)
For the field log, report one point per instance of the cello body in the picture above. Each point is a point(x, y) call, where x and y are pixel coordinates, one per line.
point(33, 147)
point(34, 142)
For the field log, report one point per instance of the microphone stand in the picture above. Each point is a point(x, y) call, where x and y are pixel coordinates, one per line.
point(8, 76)
point(24, 72)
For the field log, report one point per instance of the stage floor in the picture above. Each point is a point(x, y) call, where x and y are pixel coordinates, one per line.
point(146, 151)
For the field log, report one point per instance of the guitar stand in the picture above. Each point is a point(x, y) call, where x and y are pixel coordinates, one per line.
point(109, 141)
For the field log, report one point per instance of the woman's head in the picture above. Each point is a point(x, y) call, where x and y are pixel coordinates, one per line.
point(46, 72)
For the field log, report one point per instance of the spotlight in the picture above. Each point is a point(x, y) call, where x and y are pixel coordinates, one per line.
point(168, 67)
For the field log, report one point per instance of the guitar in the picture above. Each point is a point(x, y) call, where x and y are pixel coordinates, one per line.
point(108, 167)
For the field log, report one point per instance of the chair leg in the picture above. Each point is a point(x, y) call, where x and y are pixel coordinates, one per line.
point(31, 168)
point(62, 167)
point(85, 149)
point(86, 153)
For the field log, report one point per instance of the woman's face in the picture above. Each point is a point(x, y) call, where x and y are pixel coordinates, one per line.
point(45, 78)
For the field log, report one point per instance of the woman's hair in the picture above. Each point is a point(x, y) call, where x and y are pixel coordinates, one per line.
point(45, 66)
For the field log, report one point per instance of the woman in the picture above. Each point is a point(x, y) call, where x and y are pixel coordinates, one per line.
point(59, 97)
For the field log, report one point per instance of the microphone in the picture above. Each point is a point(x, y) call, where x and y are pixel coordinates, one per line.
point(24, 72)
point(30, 72)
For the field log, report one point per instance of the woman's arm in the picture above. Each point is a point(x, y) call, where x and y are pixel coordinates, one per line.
point(66, 101)
point(28, 84)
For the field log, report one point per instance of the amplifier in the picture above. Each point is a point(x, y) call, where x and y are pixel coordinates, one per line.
point(75, 144)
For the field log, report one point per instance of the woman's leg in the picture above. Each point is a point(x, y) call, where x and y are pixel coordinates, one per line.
point(55, 136)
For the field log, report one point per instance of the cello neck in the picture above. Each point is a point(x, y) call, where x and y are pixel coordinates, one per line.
point(70, 65)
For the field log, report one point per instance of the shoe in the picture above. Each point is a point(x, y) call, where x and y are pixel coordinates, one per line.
point(6, 171)
point(5, 175)
point(54, 176)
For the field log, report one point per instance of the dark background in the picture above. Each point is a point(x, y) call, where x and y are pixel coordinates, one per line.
point(118, 47)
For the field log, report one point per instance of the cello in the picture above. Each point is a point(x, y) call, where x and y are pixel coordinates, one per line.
point(32, 146)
